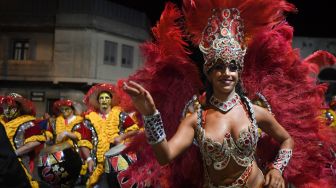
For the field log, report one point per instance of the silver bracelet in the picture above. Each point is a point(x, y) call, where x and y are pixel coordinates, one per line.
point(282, 159)
point(154, 128)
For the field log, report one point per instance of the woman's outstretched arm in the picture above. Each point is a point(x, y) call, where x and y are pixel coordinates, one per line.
point(164, 150)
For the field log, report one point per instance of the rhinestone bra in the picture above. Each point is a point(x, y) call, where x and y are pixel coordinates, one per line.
point(219, 154)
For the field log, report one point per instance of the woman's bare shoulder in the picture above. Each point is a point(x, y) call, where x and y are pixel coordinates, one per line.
point(190, 120)
point(261, 114)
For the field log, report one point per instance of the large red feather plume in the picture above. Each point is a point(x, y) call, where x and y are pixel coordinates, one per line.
point(172, 79)
point(256, 14)
point(274, 68)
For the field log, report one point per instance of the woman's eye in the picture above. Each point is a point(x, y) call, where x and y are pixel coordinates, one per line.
point(233, 67)
point(219, 67)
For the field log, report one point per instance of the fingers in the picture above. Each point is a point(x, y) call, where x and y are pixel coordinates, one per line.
point(276, 182)
point(61, 136)
point(132, 91)
point(135, 86)
point(267, 179)
point(91, 167)
point(283, 184)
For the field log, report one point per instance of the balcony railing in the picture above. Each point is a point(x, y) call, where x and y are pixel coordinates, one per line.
point(24, 68)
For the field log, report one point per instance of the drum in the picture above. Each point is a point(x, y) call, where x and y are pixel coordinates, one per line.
point(59, 165)
point(116, 163)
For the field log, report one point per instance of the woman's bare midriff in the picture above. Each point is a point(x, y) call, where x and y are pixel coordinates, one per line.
point(256, 178)
point(233, 172)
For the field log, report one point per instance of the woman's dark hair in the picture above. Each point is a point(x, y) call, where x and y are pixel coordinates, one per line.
point(241, 92)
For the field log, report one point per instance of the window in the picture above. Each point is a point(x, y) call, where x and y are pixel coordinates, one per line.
point(110, 53)
point(127, 56)
point(20, 50)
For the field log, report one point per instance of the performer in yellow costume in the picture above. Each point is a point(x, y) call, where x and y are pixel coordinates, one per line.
point(109, 126)
point(25, 135)
point(67, 125)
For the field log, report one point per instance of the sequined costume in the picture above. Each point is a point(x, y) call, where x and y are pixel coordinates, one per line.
point(74, 123)
point(218, 155)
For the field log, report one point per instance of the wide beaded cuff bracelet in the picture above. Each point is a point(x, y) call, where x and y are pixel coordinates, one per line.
point(282, 159)
point(154, 128)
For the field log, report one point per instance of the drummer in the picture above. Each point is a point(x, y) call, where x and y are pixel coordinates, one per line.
point(22, 129)
point(67, 126)
point(109, 126)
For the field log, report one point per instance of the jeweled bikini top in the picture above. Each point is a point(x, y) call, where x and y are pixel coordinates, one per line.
point(219, 154)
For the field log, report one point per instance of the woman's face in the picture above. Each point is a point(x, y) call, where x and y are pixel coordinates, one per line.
point(224, 77)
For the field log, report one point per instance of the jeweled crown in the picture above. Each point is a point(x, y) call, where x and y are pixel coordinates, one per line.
point(223, 38)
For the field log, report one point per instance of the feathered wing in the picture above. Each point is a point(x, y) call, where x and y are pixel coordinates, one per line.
point(171, 77)
point(318, 60)
point(274, 68)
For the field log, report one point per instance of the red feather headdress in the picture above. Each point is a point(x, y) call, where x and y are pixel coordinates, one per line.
point(256, 15)
point(26, 106)
point(91, 97)
point(63, 102)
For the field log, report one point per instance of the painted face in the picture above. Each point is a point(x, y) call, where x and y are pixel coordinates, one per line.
point(66, 111)
point(224, 76)
point(104, 100)
point(10, 112)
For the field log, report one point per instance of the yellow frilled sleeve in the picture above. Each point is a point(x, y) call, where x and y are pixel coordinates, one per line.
point(84, 168)
point(104, 131)
point(132, 128)
point(78, 135)
point(113, 123)
point(49, 135)
point(39, 138)
point(99, 170)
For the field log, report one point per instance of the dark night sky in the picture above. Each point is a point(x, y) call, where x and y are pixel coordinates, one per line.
point(314, 18)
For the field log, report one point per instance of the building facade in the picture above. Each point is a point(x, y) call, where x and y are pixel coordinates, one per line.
point(59, 48)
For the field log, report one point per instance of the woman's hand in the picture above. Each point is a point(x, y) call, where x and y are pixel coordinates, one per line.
point(141, 98)
point(274, 179)
point(90, 167)
point(62, 136)
point(118, 140)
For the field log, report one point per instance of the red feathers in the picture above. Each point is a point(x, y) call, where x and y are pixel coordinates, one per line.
point(272, 67)
point(172, 79)
point(256, 14)
point(318, 60)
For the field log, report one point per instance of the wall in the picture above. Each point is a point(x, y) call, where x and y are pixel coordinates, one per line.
point(309, 45)
point(79, 54)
